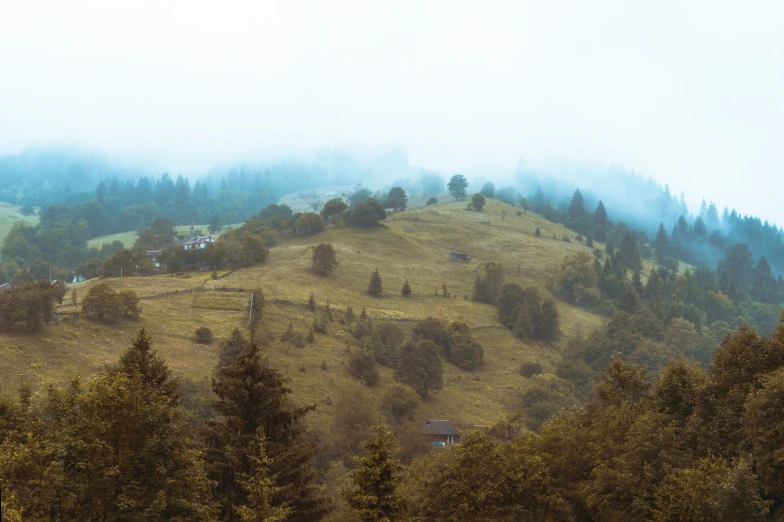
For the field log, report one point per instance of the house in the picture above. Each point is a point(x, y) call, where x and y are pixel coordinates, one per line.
point(392, 210)
point(441, 432)
point(197, 242)
point(457, 257)
point(5, 286)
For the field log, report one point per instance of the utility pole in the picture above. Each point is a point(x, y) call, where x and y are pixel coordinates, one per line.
point(250, 312)
point(120, 272)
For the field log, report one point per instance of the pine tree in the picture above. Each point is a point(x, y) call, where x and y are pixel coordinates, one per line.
point(600, 222)
point(348, 316)
point(374, 287)
point(252, 399)
point(375, 497)
point(630, 252)
point(141, 359)
point(231, 348)
point(312, 302)
point(662, 245)
point(546, 322)
point(406, 289)
point(260, 489)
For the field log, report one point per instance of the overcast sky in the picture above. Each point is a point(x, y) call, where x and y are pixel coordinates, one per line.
point(691, 93)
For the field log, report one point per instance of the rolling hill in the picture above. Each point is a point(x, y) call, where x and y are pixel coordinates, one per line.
point(413, 245)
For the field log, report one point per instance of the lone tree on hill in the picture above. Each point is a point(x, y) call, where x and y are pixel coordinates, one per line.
point(457, 186)
point(376, 477)
point(374, 287)
point(406, 289)
point(478, 201)
point(324, 259)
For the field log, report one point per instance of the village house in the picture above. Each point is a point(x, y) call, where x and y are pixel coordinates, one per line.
point(441, 432)
point(195, 242)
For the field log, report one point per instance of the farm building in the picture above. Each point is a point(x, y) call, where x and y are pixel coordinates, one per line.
point(457, 257)
point(441, 432)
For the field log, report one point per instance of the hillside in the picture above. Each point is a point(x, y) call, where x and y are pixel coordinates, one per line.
point(10, 214)
point(415, 245)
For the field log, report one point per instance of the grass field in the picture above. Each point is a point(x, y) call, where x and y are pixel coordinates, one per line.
point(9, 214)
point(415, 245)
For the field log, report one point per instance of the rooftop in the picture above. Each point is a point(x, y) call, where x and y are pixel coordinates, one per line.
point(439, 427)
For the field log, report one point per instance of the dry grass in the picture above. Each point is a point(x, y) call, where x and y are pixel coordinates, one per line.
point(415, 246)
point(218, 302)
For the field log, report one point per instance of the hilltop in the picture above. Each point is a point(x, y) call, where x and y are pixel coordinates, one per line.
point(413, 245)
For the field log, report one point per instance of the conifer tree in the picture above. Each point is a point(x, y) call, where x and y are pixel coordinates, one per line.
point(260, 489)
point(406, 289)
point(252, 399)
point(374, 287)
point(662, 245)
point(600, 222)
point(375, 497)
point(312, 302)
point(231, 348)
point(139, 358)
point(349, 316)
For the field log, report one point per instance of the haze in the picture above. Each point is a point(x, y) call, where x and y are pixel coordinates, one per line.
point(689, 94)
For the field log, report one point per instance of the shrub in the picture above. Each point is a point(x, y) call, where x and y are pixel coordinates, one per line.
point(324, 364)
point(432, 201)
point(537, 232)
point(203, 335)
point(478, 202)
point(530, 368)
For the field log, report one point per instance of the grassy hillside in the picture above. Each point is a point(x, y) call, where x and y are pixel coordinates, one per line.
point(9, 214)
point(414, 246)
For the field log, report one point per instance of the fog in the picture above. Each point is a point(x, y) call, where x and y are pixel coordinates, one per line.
point(687, 94)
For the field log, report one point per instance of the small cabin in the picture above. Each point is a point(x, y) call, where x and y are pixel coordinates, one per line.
point(441, 432)
point(457, 257)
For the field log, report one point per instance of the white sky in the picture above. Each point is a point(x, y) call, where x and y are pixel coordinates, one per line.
point(691, 93)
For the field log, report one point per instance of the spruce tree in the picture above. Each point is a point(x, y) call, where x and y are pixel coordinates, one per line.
point(312, 302)
point(231, 348)
point(374, 286)
point(252, 399)
point(662, 245)
point(378, 473)
point(406, 289)
point(139, 358)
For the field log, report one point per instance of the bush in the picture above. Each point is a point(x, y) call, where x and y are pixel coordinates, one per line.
point(203, 335)
point(537, 232)
point(432, 201)
point(324, 364)
point(478, 202)
point(530, 368)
